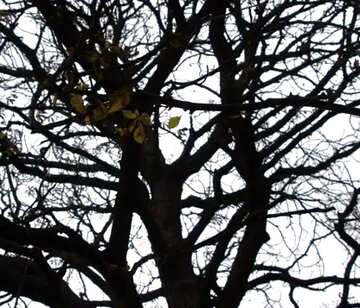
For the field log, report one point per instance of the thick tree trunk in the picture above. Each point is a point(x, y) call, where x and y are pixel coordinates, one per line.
point(182, 288)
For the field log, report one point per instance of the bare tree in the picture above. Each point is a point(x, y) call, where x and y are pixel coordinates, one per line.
point(179, 153)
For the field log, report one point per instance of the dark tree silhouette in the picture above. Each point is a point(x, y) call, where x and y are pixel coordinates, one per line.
point(179, 153)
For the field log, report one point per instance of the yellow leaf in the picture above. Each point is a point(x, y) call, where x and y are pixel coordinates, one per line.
point(139, 134)
point(116, 104)
point(174, 121)
point(120, 131)
point(129, 114)
point(77, 103)
point(119, 101)
point(145, 119)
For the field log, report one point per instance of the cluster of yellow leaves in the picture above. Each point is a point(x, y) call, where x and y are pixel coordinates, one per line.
point(117, 102)
point(134, 121)
point(105, 58)
point(136, 127)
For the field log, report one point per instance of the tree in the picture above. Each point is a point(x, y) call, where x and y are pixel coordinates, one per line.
point(179, 153)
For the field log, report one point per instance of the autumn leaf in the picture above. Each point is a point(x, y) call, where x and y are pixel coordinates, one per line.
point(139, 133)
point(129, 114)
point(145, 119)
point(121, 131)
point(174, 121)
point(118, 101)
point(77, 102)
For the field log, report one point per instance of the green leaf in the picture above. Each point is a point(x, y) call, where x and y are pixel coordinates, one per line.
point(145, 119)
point(118, 101)
point(129, 114)
point(139, 133)
point(121, 131)
point(174, 121)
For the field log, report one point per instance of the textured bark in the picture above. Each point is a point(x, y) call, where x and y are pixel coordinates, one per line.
point(182, 288)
